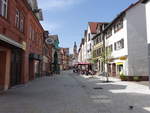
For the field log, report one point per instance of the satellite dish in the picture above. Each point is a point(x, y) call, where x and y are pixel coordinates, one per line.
point(49, 41)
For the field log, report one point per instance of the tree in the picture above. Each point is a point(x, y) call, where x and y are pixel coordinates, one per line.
point(105, 58)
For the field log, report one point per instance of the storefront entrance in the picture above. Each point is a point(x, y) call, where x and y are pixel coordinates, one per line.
point(15, 76)
point(35, 66)
point(120, 69)
point(2, 68)
point(113, 69)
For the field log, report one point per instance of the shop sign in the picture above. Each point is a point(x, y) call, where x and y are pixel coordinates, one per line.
point(119, 63)
point(49, 41)
point(123, 58)
point(24, 45)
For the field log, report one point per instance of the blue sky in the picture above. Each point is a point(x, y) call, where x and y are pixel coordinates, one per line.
point(69, 18)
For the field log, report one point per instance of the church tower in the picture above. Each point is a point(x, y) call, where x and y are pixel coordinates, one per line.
point(75, 49)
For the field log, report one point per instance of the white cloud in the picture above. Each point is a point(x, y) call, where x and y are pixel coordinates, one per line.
point(51, 27)
point(56, 4)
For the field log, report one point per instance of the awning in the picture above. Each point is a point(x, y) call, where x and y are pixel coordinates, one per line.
point(10, 41)
point(35, 56)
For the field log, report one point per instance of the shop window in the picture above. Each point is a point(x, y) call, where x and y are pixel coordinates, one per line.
point(120, 68)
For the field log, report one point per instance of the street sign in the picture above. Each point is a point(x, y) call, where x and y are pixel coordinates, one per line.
point(49, 41)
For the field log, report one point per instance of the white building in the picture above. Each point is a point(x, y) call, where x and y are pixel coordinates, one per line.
point(147, 7)
point(126, 38)
point(87, 42)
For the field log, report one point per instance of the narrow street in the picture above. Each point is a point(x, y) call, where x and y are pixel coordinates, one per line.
point(71, 93)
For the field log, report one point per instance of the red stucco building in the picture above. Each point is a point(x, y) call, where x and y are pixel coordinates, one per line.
point(21, 41)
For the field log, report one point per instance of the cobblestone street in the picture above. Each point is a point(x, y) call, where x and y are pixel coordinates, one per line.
point(71, 93)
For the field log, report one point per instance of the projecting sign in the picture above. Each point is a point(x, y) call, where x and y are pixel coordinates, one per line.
point(49, 41)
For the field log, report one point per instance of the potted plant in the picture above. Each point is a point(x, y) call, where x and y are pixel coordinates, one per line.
point(123, 77)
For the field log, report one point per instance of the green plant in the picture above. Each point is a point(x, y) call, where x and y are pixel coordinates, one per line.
point(136, 78)
point(123, 77)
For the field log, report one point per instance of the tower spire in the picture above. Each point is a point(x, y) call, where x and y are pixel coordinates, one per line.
point(75, 49)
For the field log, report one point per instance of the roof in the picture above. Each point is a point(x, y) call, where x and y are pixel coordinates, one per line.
point(93, 26)
point(105, 24)
point(122, 14)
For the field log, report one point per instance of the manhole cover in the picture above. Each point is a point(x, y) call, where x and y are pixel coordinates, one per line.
point(97, 88)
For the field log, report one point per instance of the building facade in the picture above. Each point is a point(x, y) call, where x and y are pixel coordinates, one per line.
point(47, 55)
point(126, 37)
point(64, 61)
point(55, 54)
point(17, 44)
point(86, 45)
point(147, 9)
point(98, 48)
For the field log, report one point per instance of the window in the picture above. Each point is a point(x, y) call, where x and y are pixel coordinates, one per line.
point(94, 41)
point(97, 40)
point(3, 8)
point(90, 47)
point(119, 45)
point(17, 18)
point(21, 22)
point(109, 33)
point(118, 25)
point(110, 48)
point(100, 38)
point(89, 37)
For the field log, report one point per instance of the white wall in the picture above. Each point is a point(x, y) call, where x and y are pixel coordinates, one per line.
point(147, 6)
point(89, 42)
point(148, 20)
point(137, 41)
point(121, 34)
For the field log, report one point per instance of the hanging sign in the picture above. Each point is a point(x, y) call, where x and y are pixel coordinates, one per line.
point(49, 41)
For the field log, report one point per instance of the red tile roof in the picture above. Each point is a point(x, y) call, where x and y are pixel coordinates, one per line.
point(93, 26)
